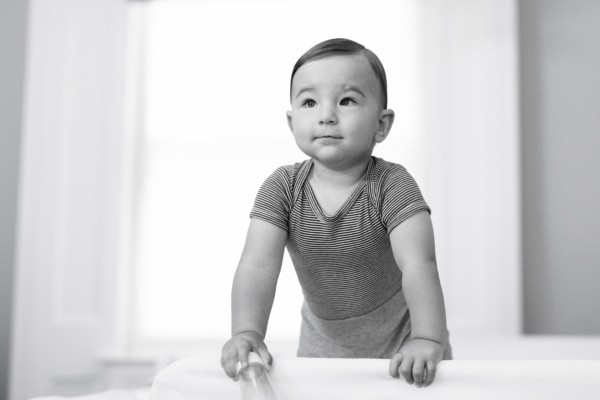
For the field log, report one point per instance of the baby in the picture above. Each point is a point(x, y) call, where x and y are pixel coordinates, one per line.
point(356, 227)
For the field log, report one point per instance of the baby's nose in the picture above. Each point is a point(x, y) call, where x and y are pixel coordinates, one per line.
point(327, 116)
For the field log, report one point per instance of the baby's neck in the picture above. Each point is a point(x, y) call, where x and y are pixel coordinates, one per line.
point(338, 178)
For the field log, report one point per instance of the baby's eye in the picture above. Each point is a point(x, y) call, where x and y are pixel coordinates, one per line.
point(309, 103)
point(346, 101)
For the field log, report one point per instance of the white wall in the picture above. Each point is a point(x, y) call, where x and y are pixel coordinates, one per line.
point(560, 108)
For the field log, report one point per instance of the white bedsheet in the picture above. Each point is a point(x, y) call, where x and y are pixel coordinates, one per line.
point(201, 377)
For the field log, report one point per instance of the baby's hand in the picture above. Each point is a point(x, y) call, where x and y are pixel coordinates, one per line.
point(417, 361)
point(237, 349)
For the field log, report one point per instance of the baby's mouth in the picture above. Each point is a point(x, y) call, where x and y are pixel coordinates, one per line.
point(329, 137)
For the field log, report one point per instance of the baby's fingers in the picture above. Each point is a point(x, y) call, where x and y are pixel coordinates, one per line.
point(229, 362)
point(265, 356)
point(406, 370)
point(401, 366)
point(242, 352)
point(395, 364)
point(431, 370)
point(418, 372)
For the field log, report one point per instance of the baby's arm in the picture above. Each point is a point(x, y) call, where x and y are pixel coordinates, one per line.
point(414, 251)
point(253, 293)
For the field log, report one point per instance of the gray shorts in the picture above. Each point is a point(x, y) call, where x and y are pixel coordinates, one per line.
point(377, 334)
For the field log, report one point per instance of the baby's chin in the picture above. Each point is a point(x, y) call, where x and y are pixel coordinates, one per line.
point(335, 158)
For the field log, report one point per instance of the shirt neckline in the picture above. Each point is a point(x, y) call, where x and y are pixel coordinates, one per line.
point(346, 205)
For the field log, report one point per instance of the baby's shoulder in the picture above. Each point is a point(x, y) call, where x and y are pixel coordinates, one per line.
point(289, 174)
point(293, 169)
point(385, 172)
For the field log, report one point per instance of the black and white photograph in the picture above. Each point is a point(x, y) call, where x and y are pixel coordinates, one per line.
point(292, 199)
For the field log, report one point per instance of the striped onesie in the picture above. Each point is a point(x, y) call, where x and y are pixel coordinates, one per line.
point(353, 300)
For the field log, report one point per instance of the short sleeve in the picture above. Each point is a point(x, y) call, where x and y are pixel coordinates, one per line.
point(401, 197)
point(274, 198)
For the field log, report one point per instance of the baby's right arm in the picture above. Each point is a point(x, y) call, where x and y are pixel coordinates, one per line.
point(253, 293)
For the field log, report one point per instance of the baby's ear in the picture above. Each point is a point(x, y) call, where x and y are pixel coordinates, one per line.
point(289, 120)
point(386, 120)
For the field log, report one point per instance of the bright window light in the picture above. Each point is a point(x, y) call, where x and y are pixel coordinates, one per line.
point(216, 89)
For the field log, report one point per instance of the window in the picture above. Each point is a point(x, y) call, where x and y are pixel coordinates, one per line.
point(216, 91)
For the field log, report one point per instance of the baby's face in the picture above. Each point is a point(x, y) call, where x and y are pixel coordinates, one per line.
point(336, 111)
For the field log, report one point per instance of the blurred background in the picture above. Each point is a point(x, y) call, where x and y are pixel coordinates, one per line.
point(135, 134)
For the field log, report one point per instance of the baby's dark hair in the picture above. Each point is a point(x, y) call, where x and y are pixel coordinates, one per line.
point(344, 47)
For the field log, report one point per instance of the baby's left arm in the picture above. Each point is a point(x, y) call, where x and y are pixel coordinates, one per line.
point(414, 250)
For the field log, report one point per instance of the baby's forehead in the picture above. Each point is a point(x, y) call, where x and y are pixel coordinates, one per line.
point(344, 71)
point(357, 61)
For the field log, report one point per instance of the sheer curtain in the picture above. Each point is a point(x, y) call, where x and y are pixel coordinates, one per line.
point(216, 90)
point(452, 77)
